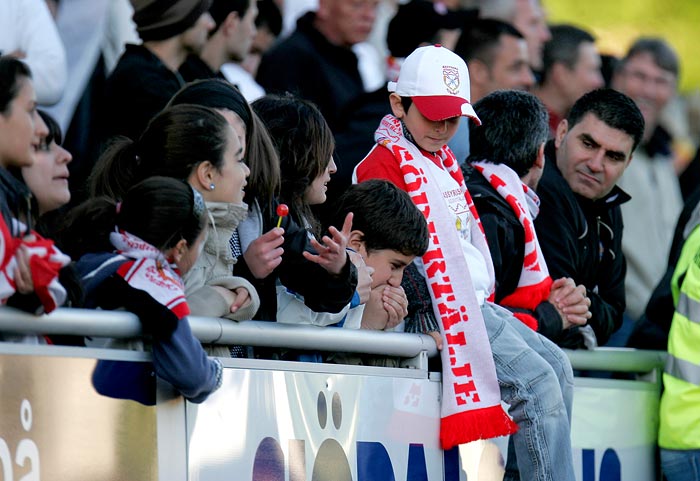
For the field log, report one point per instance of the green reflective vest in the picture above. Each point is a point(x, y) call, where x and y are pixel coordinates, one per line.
point(679, 418)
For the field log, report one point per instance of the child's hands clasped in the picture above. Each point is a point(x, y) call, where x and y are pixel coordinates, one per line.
point(395, 304)
point(386, 308)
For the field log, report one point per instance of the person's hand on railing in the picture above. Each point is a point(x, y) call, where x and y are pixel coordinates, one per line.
point(235, 298)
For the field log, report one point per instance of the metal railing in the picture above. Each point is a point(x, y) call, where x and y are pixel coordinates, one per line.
point(119, 324)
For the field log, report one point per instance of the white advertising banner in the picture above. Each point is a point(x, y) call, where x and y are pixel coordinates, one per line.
point(614, 430)
point(265, 425)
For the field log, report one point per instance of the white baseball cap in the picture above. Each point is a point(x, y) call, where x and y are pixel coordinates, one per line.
point(437, 80)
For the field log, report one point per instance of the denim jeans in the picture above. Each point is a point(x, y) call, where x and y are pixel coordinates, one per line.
point(536, 379)
point(681, 465)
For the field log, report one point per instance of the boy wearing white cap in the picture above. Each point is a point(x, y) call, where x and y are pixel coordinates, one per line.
point(488, 355)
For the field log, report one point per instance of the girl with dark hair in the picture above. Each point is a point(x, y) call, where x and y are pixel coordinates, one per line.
point(47, 177)
point(21, 131)
point(195, 144)
point(131, 256)
point(268, 252)
point(305, 145)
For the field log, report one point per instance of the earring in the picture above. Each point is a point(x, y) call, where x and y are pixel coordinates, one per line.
point(211, 186)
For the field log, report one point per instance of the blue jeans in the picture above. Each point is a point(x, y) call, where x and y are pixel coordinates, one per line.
point(536, 379)
point(681, 465)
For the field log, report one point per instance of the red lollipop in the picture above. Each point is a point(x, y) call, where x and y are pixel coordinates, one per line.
point(282, 211)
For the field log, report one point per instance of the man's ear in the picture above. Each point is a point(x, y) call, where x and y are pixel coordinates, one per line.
point(356, 241)
point(558, 73)
point(478, 72)
point(562, 130)
point(539, 161)
point(230, 23)
point(396, 105)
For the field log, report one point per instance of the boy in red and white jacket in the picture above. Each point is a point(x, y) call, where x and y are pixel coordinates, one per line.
point(485, 349)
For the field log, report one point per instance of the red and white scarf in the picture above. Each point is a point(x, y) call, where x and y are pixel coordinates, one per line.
point(150, 272)
point(45, 262)
point(534, 284)
point(471, 401)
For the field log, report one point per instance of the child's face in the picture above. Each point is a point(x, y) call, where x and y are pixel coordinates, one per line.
point(428, 134)
point(316, 192)
point(388, 266)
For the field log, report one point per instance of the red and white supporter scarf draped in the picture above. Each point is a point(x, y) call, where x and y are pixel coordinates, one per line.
point(150, 272)
point(471, 402)
point(535, 284)
point(45, 262)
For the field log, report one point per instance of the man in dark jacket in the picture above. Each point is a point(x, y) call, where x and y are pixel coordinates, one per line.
point(502, 173)
point(316, 62)
point(580, 224)
point(146, 75)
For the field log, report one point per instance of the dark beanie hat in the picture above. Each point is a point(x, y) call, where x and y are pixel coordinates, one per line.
point(163, 19)
point(418, 22)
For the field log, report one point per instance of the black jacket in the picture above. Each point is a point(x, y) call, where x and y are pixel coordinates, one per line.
point(139, 87)
point(308, 65)
point(322, 291)
point(194, 68)
point(506, 238)
point(582, 239)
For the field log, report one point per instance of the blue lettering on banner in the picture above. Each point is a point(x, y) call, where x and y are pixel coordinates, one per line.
point(610, 468)
point(331, 462)
point(373, 463)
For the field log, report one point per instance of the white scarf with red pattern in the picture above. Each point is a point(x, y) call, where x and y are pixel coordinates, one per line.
point(471, 401)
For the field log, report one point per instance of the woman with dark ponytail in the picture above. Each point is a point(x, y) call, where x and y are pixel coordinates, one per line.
point(131, 256)
point(197, 145)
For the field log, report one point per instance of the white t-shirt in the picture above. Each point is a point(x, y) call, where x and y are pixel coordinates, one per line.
point(457, 204)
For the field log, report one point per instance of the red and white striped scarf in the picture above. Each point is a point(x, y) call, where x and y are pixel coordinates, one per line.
point(45, 262)
point(471, 401)
point(534, 284)
point(150, 272)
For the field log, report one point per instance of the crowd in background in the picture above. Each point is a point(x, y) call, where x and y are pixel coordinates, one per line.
point(220, 158)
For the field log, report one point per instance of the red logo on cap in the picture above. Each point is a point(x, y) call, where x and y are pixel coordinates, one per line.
point(450, 75)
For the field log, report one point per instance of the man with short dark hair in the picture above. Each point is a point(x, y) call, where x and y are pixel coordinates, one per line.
point(497, 57)
point(649, 75)
point(230, 40)
point(571, 67)
point(146, 75)
point(580, 225)
point(503, 170)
